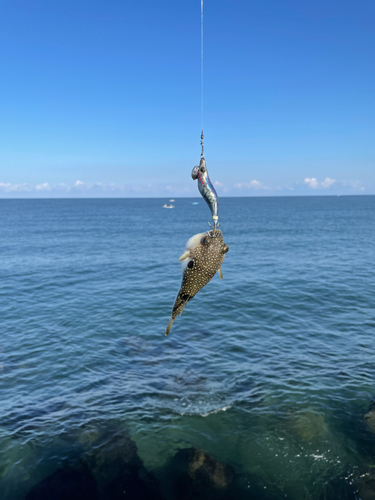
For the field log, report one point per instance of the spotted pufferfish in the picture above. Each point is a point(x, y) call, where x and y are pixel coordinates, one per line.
point(202, 258)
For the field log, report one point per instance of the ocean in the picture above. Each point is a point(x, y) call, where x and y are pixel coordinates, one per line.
point(264, 388)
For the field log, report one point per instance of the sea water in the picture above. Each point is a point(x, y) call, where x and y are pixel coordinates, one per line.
point(271, 370)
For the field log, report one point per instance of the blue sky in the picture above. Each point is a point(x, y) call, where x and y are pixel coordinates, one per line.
point(103, 98)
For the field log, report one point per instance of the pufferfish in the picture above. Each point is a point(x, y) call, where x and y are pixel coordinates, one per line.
point(202, 258)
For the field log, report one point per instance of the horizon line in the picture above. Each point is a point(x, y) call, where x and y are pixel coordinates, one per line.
point(181, 197)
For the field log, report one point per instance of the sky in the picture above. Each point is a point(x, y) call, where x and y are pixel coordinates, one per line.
point(102, 98)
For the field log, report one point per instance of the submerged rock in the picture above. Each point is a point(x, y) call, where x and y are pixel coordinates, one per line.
point(66, 484)
point(110, 453)
point(366, 485)
point(118, 470)
point(108, 468)
point(339, 488)
point(309, 424)
point(205, 469)
point(88, 436)
point(132, 483)
point(369, 418)
point(193, 474)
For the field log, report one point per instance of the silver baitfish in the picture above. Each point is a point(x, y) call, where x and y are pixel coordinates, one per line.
point(202, 258)
point(206, 188)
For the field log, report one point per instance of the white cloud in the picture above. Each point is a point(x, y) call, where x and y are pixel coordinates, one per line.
point(77, 187)
point(312, 182)
point(80, 186)
point(83, 189)
point(43, 187)
point(8, 187)
point(353, 184)
point(328, 182)
point(250, 185)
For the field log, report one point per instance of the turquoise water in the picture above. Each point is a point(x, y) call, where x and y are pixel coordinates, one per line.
point(271, 370)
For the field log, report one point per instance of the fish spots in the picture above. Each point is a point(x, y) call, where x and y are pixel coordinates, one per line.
point(206, 257)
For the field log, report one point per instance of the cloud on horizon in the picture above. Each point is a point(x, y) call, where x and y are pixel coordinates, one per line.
point(328, 182)
point(94, 189)
point(250, 185)
point(97, 189)
point(314, 184)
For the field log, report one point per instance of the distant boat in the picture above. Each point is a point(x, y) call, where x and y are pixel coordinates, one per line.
point(168, 206)
point(195, 203)
point(171, 200)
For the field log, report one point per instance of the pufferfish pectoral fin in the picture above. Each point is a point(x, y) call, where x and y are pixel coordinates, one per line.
point(220, 273)
point(185, 255)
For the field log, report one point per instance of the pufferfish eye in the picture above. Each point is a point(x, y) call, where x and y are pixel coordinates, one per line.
point(204, 240)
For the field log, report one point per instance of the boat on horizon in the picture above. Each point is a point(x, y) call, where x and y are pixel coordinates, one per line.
point(168, 206)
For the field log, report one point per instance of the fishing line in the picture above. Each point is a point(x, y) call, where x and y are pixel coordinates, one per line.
point(203, 256)
point(202, 75)
point(199, 172)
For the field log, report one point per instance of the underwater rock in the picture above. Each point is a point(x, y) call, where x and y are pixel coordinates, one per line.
point(339, 488)
point(366, 485)
point(118, 470)
point(110, 453)
point(66, 484)
point(309, 424)
point(108, 468)
point(193, 474)
point(132, 483)
point(205, 469)
point(88, 436)
point(369, 418)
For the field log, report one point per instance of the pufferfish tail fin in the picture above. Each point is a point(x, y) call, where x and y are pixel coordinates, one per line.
point(178, 307)
point(171, 321)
